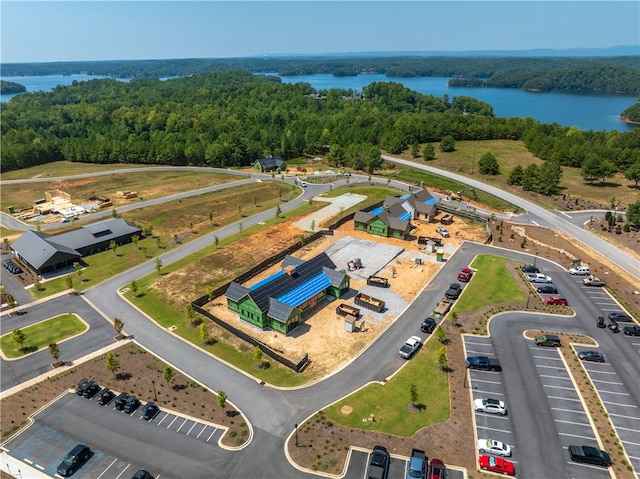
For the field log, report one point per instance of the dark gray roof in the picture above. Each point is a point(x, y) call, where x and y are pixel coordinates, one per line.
point(279, 311)
point(336, 277)
point(271, 162)
point(96, 233)
point(236, 292)
point(362, 217)
point(38, 250)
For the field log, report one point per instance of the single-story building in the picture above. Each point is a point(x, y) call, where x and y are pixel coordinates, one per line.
point(44, 252)
point(280, 301)
point(271, 164)
point(393, 218)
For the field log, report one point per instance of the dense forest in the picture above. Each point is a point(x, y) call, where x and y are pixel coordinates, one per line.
point(228, 119)
point(601, 74)
point(632, 113)
point(9, 87)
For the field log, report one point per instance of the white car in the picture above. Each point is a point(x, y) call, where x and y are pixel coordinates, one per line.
point(442, 231)
point(539, 278)
point(491, 406)
point(410, 346)
point(492, 446)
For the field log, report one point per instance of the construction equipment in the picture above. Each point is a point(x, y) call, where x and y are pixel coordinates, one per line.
point(369, 302)
point(354, 264)
point(458, 196)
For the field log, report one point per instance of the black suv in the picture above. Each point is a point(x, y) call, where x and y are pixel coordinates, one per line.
point(120, 401)
point(619, 316)
point(530, 269)
point(142, 474)
point(131, 405)
point(428, 325)
point(91, 389)
point(105, 397)
point(600, 322)
point(72, 461)
point(82, 384)
point(548, 340)
point(379, 463)
point(149, 411)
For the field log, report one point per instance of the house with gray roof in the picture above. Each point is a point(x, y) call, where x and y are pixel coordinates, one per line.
point(393, 218)
point(45, 253)
point(272, 163)
point(280, 301)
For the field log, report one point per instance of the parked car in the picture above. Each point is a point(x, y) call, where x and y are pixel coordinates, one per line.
point(547, 289)
point(149, 411)
point(105, 397)
point(81, 385)
point(539, 278)
point(378, 463)
point(593, 281)
point(437, 469)
point(465, 275)
point(444, 232)
point(490, 405)
point(548, 340)
point(631, 330)
point(556, 300)
point(496, 464)
point(530, 269)
point(142, 474)
point(591, 356)
point(73, 460)
point(428, 325)
point(613, 326)
point(600, 322)
point(410, 346)
point(120, 401)
point(580, 271)
point(91, 390)
point(454, 291)
point(131, 405)
point(492, 446)
point(619, 316)
point(484, 363)
point(590, 455)
point(417, 467)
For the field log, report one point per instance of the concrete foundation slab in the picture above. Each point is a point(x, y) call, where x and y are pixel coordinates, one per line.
point(374, 256)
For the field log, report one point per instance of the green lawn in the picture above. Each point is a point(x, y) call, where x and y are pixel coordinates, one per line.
point(389, 402)
point(492, 284)
point(39, 335)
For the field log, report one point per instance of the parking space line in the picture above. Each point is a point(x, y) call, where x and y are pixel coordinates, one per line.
point(550, 367)
point(194, 425)
point(568, 410)
point(486, 381)
point(618, 404)
point(494, 429)
point(497, 416)
point(557, 387)
point(108, 467)
point(123, 471)
point(478, 344)
point(628, 429)
point(607, 382)
point(584, 465)
point(174, 420)
point(564, 399)
point(577, 435)
point(185, 421)
point(611, 392)
point(165, 417)
point(39, 467)
point(214, 431)
point(487, 392)
point(205, 426)
point(479, 353)
point(633, 457)
point(573, 422)
point(28, 461)
point(547, 358)
point(602, 372)
point(633, 443)
point(624, 416)
point(553, 377)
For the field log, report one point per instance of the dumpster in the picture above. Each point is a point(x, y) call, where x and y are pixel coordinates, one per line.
point(440, 255)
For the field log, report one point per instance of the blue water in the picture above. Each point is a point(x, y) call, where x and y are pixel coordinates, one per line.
point(585, 110)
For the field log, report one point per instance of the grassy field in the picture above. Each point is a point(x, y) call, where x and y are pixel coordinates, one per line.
point(39, 335)
point(388, 402)
point(464, 160)
point(66, 168)
point(492, 284)
point(147, 184)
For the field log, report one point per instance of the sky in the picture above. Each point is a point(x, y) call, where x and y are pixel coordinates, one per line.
point(48, 31)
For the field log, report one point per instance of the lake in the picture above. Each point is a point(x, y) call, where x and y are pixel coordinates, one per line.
point(587, 111)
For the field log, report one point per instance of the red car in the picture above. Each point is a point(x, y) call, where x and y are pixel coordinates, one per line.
point(465, 274)
point(556, 300)
point(437, 469)
point(496, 464)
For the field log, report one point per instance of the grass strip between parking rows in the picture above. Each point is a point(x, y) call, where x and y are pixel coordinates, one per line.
point(39, 335)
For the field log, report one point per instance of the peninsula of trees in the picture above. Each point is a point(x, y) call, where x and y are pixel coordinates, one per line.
point(9, 88)
point(230, 119)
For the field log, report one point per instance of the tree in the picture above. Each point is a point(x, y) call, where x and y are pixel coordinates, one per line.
point(143, 250)
point(113, 246)
point(158, 242)
point(415, 149)
point(211, 217)
point(413, 394)
point(240, 227)
point(447, 144)
point(428, 152)
point(54, 351)
point(488, 164)
point(549, 176)
point(633, 213)
point(216, 240)
point(590, 169)
point(441, 334)
point(134, 288)
point(11, 301)
point(515, 177)
point(278, 211)
point(111, 362)
point(607, 170)
point(135, 239)
point(222, 398)
point(78, 267)
point(530, 177)
point(192, 316)
point(632, 174)
point(168, 374)
point(442, 358)
point(37, 284)
point(118, 325)
point(239, 209)
point(158, 265)
point(114, 213)
point(18, 337)
point(69, 282)
point(204, 333)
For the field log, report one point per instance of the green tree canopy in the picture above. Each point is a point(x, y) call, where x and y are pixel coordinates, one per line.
point(488, 164)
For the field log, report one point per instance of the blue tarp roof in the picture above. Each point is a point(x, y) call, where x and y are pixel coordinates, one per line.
point(431, 201)
point(299, 295)
point(405, 216)
point(377, 211)
point(404, 197)
point(266, 280)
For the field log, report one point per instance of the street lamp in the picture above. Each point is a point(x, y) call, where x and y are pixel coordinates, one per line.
point(535, 258)
point(528, 298)
point(155, 396)
point(296, 431)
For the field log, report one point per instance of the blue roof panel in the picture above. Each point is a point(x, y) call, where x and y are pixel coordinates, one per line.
point(404, 197)
point(377, 211)
point(266, 280)
point(431, 201)
point(405, 216)
point(306, 290)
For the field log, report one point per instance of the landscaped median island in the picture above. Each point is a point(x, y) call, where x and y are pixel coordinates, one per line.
point(30, 339)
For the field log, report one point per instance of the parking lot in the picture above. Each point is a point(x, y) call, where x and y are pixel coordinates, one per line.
point(397, 468)
point(120, 443)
